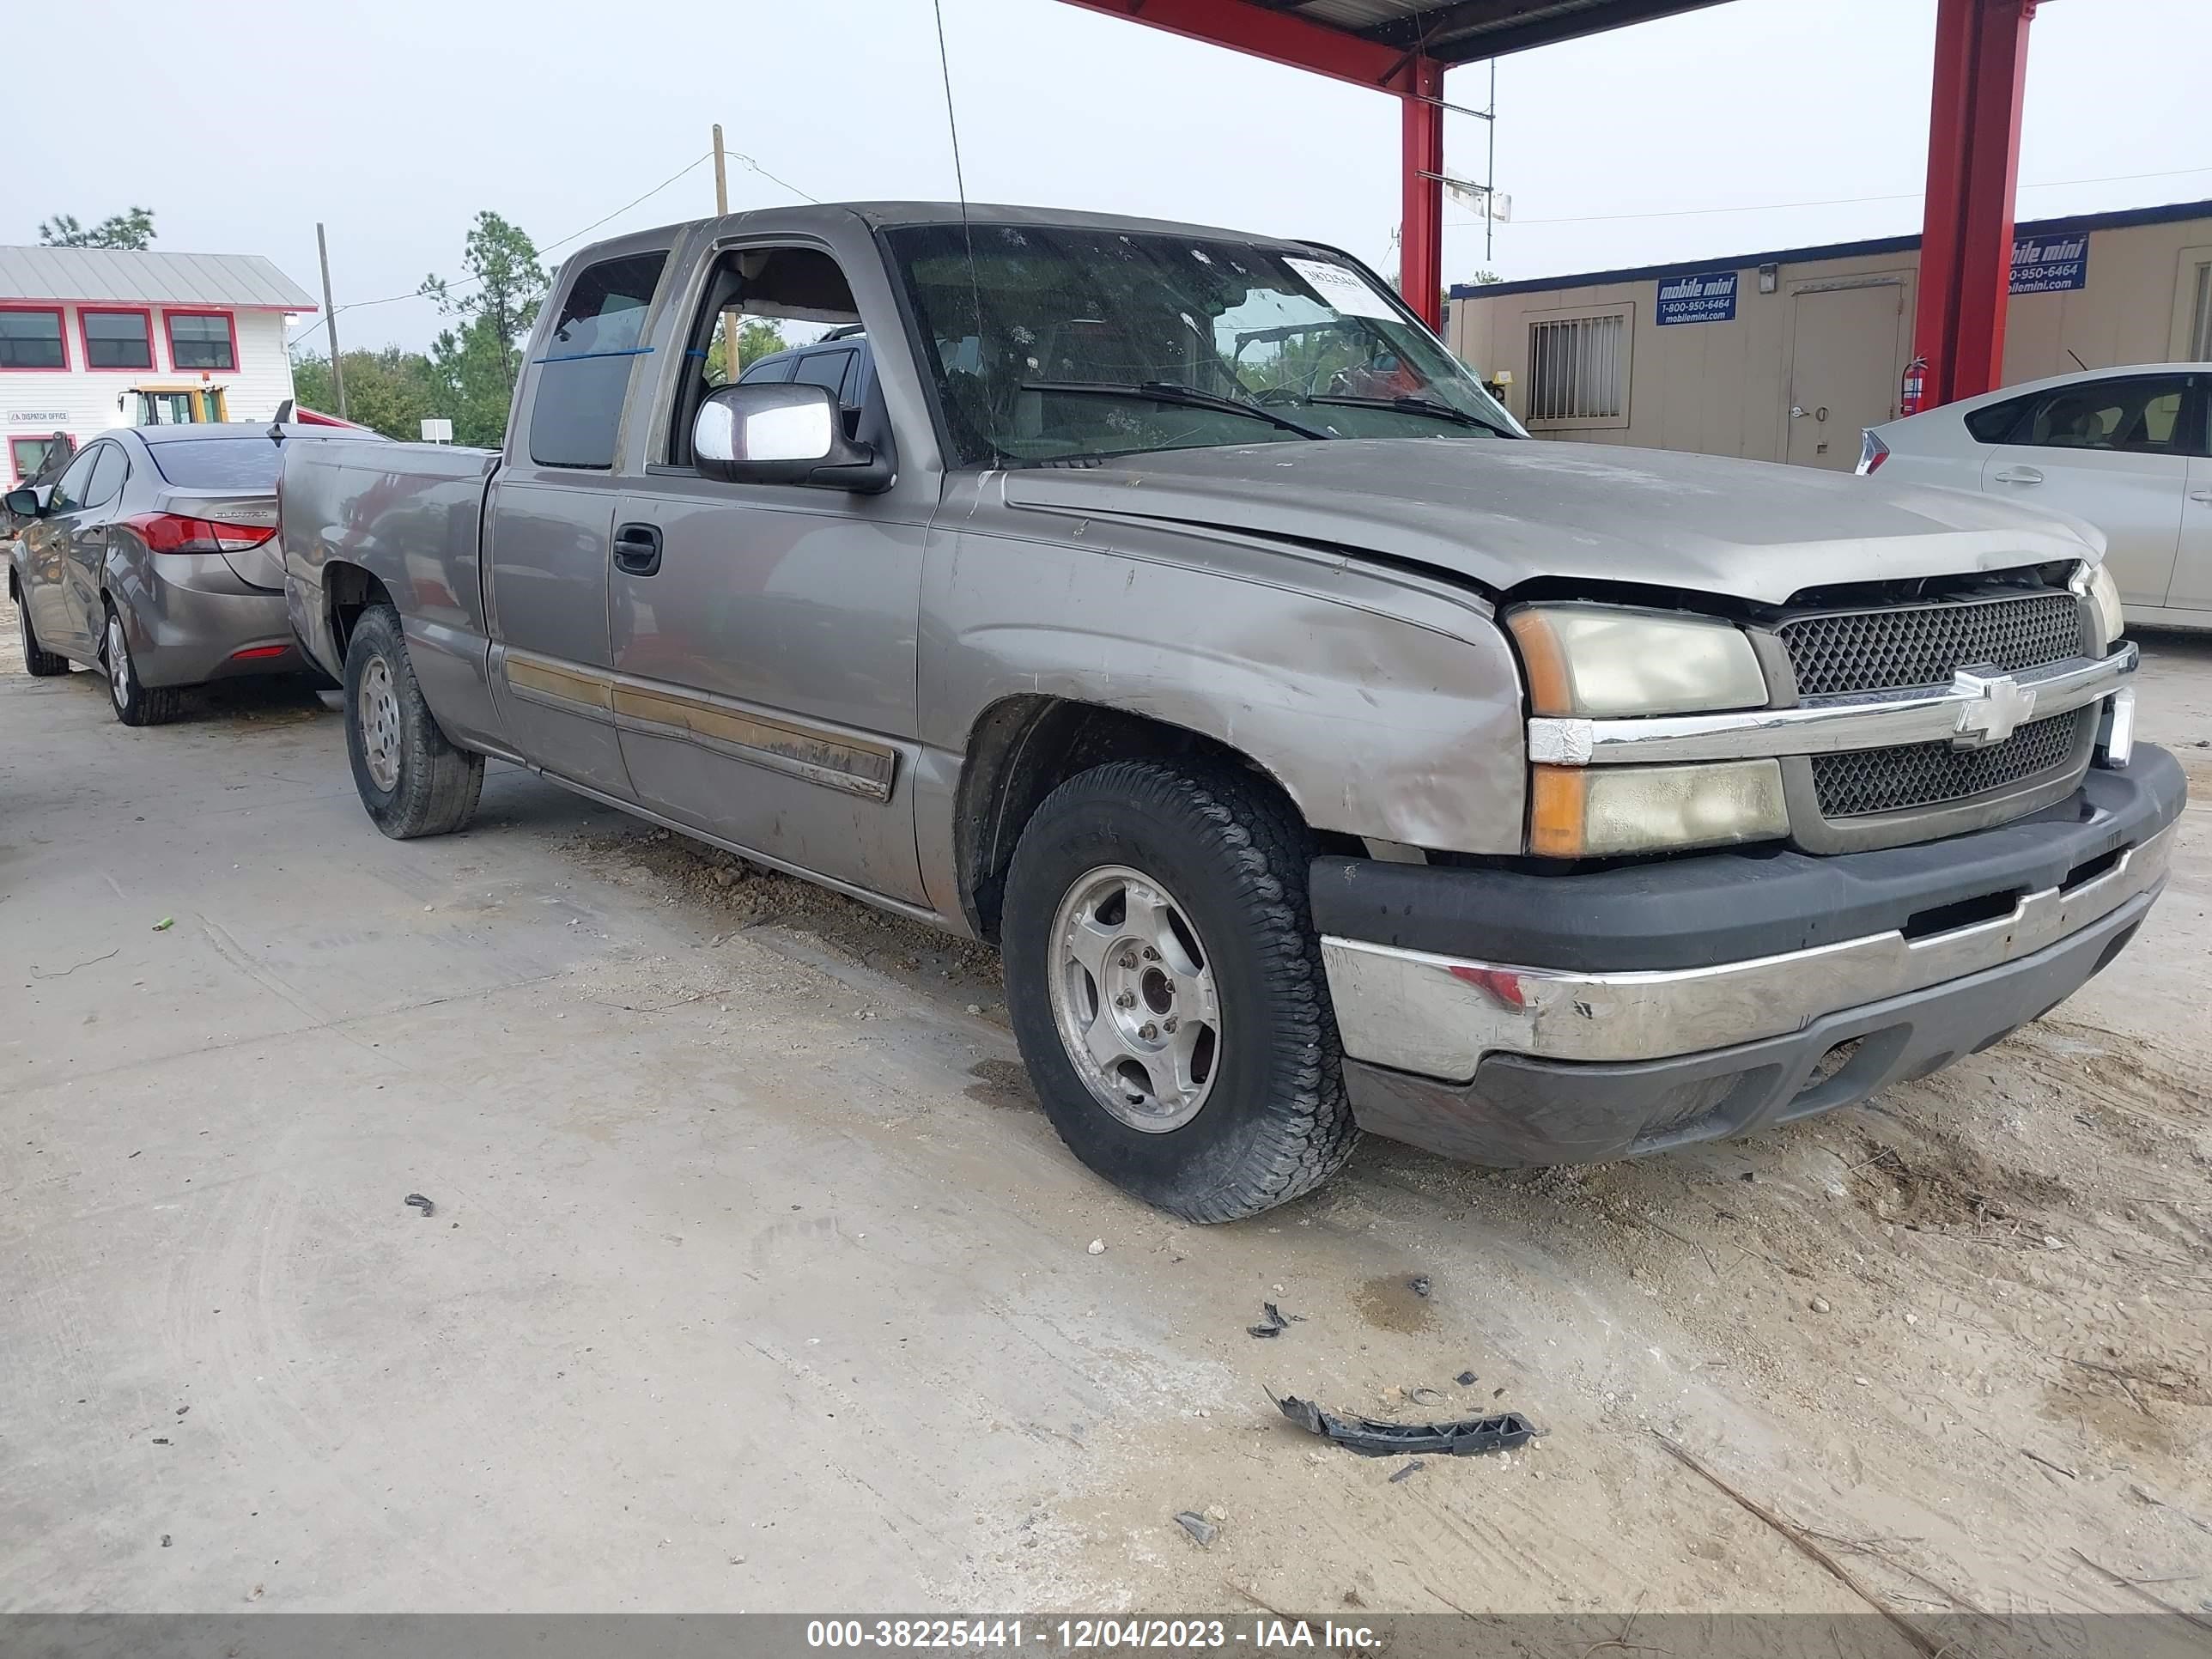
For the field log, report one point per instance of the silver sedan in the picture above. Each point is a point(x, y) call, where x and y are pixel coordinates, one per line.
point(153, 558)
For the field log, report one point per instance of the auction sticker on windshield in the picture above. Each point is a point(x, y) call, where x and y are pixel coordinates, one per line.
point(1344, 288)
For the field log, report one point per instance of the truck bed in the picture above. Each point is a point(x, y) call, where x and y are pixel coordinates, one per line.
point(410, 514)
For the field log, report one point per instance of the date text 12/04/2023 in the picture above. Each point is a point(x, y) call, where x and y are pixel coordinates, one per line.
point(1085, 1635)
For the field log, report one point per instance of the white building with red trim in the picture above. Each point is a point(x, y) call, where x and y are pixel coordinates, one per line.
point(92, 339)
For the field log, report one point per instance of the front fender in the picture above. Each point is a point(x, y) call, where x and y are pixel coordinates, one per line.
point(1387, 706)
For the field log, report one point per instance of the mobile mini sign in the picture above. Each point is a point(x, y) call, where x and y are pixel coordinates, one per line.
point(2050, 265)
point(1710, 298)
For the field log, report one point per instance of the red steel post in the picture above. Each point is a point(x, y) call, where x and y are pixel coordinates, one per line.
point(1421, 221)
point(1973, 174)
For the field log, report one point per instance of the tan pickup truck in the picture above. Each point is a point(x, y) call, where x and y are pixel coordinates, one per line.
point(1167, 606)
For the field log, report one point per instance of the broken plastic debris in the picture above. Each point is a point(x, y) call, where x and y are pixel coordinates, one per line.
point(165, 924)
point(1200, 1529)
point(1413, 1467)
point(1466, 1379)
point(1418, 1285)
point(1370, 1438)
point(421, 1203)
point(1278, 1322)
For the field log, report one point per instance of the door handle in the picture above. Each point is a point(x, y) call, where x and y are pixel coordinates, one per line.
point(637, 549)
point(2204, 495)
point(2018, 475)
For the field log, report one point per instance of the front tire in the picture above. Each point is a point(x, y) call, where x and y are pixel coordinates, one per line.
point(412, 779)
point(135, 702)
point(37, 659)
point(1166, 988)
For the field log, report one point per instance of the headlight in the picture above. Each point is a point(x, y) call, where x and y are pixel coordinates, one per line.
point(1600, 811)
point(1600, 660)
point(2104, 593)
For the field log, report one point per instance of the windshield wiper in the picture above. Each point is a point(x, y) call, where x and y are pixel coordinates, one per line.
point(1170, 392)
point(1412, 405)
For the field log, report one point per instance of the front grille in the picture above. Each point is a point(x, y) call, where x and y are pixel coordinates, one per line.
point(1846, 651)
point(1861, 780)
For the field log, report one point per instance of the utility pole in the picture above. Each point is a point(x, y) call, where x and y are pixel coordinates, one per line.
point(330, 318)
point(732, 320)
point(1490, 184)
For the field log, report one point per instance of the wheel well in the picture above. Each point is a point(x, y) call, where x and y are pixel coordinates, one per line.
point(1021, 749)
point(349, 590)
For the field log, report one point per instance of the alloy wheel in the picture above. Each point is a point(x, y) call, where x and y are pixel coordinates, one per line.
point(1133, 997)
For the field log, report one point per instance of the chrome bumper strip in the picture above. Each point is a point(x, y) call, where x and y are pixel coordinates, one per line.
point(1439, 1016)
point(1865, 722)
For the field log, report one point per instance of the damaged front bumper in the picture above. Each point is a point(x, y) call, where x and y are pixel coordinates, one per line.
point(1515, 1019)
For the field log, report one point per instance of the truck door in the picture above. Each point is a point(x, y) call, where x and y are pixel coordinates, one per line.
point(764, 635)
point(550, 524)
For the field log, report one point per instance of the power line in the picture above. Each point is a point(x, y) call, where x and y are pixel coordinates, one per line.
point(573, 235)
point(1837, 201)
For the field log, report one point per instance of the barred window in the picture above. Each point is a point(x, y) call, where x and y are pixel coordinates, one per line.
point(1579, 371)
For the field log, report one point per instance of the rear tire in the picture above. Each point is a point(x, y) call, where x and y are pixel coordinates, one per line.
point(135, 702)
point(412, 779)
point(37, 659)
point(1255, 1115)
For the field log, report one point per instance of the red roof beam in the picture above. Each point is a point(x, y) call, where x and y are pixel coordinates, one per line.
point(1280, 37)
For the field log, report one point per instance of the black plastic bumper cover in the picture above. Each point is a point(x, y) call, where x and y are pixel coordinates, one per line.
point(1519, 1112)
point(1695, 912)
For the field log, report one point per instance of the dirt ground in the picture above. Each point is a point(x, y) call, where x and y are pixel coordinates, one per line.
point(756, 1281)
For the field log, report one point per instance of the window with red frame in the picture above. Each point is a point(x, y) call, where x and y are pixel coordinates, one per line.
point(202, 340)
point(117, 339)
point(28, 455)
point(32, 339)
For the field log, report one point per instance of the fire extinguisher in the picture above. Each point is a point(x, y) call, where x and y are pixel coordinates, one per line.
point(1915, 386)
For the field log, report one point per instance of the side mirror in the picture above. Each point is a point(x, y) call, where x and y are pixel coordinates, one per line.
point(29, 503)
point(783, 434)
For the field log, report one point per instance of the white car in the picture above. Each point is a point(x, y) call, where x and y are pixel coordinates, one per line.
point(2123, 449)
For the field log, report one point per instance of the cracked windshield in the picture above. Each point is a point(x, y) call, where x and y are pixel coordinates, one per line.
point(1053, 346)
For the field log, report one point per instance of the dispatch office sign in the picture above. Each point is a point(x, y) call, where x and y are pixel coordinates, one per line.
point(1707, 299)
point(2050, 265)
point(47, 417)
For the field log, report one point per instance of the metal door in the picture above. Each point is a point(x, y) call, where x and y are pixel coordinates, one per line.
point(1843, 370)
point(2114, 451)
point(55, 613)
point(84, 556)
point(2192, 569)
point(764, 635)
point(767, 671)
point(550, 520)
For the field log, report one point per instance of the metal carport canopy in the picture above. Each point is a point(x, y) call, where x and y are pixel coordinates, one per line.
point(1402, 47)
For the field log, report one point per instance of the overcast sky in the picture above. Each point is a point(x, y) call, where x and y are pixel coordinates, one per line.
point(241, 124)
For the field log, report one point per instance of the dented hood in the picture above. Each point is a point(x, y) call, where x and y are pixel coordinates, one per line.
point(1502, 511)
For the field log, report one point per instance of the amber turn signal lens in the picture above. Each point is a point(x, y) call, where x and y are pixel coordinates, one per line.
point(1556, 811)
point(1551, 687)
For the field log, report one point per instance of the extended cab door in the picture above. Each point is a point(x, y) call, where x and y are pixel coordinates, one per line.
point(2112, 450)
point(550, 521)
point(764, 635)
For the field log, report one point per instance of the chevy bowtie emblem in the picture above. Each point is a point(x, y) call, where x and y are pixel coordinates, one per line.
point(1995, 705)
